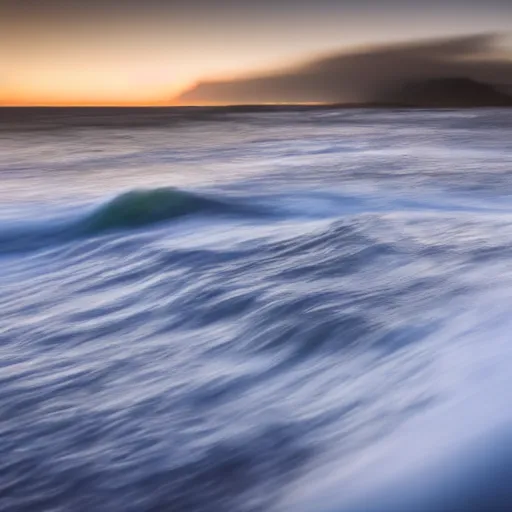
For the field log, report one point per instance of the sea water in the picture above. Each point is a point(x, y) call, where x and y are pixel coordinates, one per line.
point(277, 309)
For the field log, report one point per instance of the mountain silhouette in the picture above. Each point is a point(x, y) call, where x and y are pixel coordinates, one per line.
point(398, 73)
point(447, 92)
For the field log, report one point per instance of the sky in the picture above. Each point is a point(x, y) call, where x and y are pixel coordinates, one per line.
point(148, 52)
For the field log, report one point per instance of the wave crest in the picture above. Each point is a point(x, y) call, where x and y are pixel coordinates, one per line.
point(139, 208)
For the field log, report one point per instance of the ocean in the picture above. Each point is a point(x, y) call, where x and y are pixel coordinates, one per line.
point(242, 309)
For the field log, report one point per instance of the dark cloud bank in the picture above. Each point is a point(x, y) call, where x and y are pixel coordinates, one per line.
point(464, 71)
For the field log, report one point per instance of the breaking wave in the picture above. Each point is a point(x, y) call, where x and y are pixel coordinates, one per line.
point(131, 210)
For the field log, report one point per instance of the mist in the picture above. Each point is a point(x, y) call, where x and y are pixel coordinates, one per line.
point(377, 74)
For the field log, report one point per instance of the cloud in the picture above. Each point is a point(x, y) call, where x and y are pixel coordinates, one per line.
point(363, 75)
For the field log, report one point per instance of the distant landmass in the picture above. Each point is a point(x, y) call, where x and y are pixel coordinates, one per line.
point(447, 93)
point(458, 72)
point(431, 93)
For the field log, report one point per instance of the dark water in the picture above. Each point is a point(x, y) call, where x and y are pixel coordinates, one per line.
point(281, 310)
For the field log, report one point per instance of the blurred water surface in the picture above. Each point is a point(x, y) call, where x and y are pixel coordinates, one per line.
point(233, 310)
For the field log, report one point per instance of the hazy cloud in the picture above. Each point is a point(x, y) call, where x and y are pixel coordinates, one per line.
point(364, 75)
